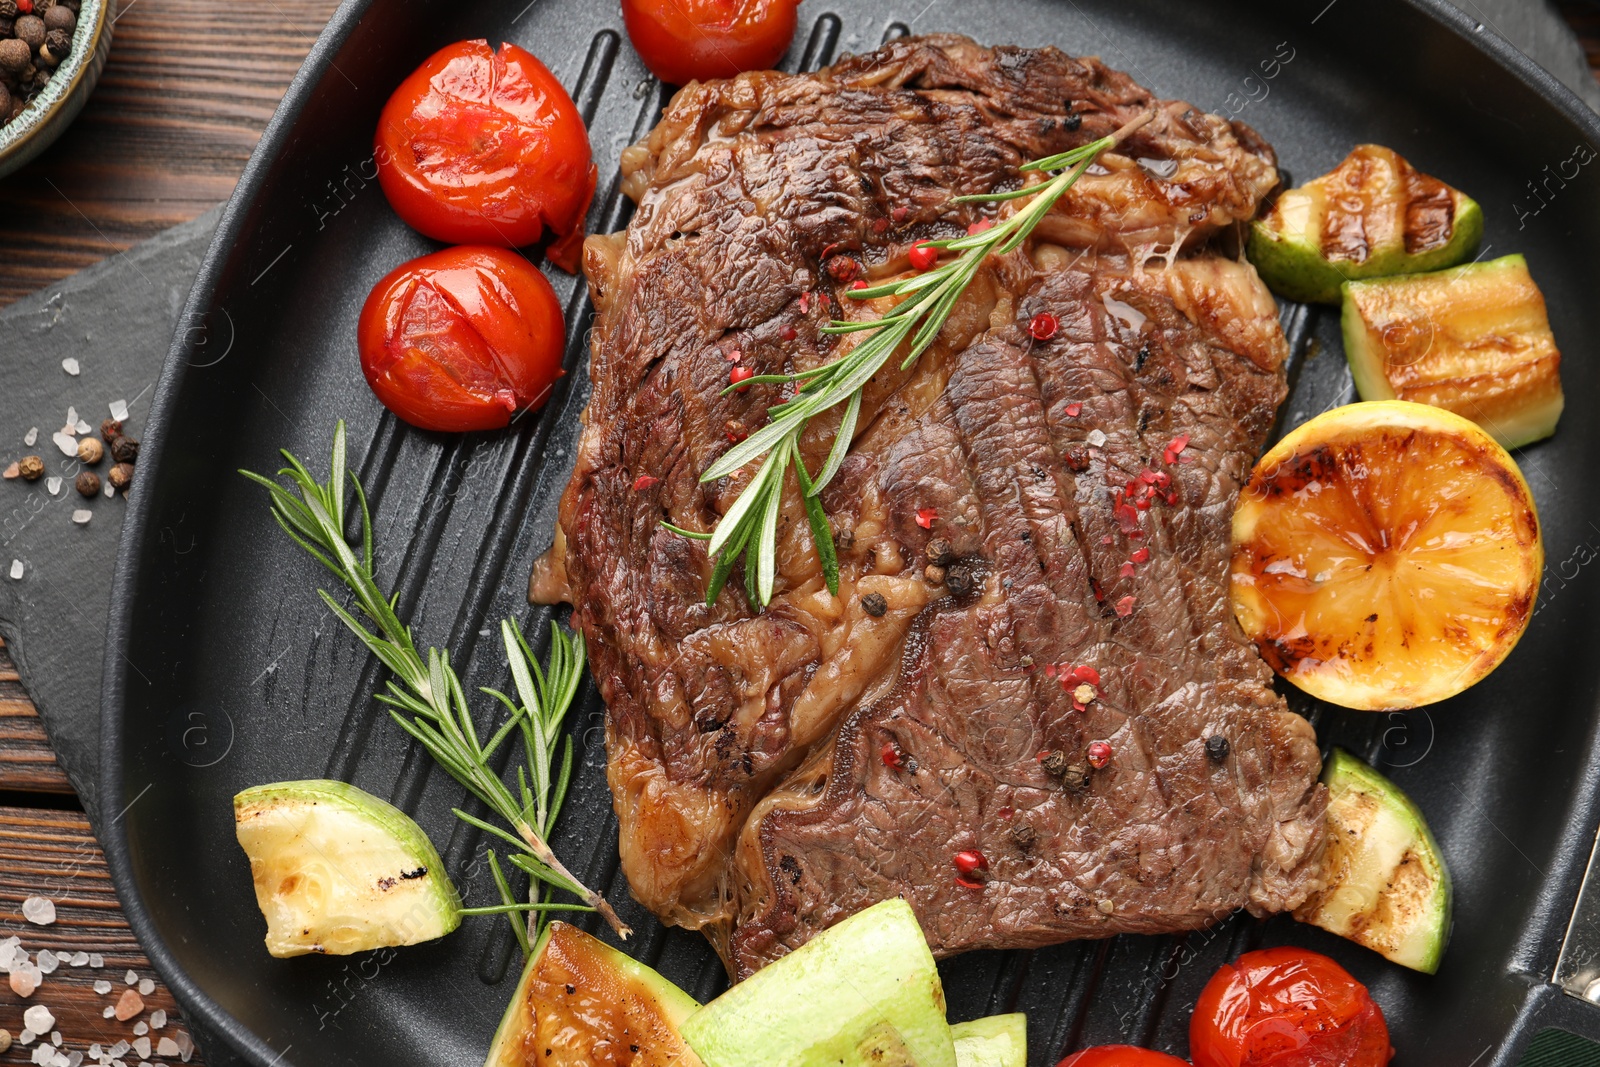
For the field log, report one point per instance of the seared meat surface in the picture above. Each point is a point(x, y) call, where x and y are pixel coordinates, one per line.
point(1015, 509)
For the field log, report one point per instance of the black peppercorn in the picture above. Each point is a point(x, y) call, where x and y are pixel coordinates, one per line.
point(1024, 835)
point(938, 552)
point(1217, 747)
point(59, 17)
point(6, 26)
point(8, 9)
point(57, 43)
point(874, 604)
point(125, 450)
point(121, 476)
point(15, 57)
point(959, 579)
point(30, 31)
point(88, 483)
point(31, 468)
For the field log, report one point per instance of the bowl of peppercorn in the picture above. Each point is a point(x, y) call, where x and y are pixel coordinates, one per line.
point(51, 55)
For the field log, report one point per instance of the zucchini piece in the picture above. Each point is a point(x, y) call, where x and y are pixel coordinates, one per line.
point(1387, 885)
point(337, 870)
point(1474, 340)
point(1373, 215)
point(864, 993)
point(997, 1041)
point(581, 1003)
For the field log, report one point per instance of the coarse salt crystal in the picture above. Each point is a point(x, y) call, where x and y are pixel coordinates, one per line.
point(26, 1037)
point(166, 1047)
point(79, 959)
point(55, 1038)
point(128, 1005)
point(108, 1012)
point(185, 1046)
point(141, 1045)
point(8, 952)
point(72, 415)
point(70, 365)
point(65, 442)
point(48, 962)
point(31, 436)
point(82, 516)
point(158, 1019)
point(17, 569)
point(96, 960)
point(118, 1049)
point(1096, 438)
point(147, 986)
point(130, 978)
point(111, 490)
point(52, 485)
point(41, 911)
point(74, 1059)
point(94, 1050)
point(42, 1056)
point(25, 979)
point(141, 1028)
point(102, 987)
point(83, 426)
point(119, 410)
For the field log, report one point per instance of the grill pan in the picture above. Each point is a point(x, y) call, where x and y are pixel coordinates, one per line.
point(225, 670)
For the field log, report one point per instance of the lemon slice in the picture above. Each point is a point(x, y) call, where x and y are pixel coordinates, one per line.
point(1385, 555)
point(337, 870)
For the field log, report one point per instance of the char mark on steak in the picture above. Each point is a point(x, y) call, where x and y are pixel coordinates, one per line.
point(775, 772)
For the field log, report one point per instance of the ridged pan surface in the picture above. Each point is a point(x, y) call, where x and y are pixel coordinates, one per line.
point(226, 671)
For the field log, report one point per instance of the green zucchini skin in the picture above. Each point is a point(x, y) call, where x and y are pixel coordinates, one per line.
point(1302, 257)
point(1389, 888)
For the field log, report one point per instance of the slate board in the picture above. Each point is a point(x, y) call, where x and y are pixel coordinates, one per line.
point(118, 319)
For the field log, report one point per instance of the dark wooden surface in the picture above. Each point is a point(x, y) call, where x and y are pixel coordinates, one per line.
point(189, 86)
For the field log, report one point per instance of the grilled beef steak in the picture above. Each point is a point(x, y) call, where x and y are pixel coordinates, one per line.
point(1023, 512)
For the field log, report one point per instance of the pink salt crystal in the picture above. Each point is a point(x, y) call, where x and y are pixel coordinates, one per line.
point(130, 1004)
point(24, 981)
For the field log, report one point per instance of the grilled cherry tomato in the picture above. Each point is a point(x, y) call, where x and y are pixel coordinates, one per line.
point(462, 339)
point(486, 147)
point(1287, 1007)
point(1121, 1056)
point(685, 40)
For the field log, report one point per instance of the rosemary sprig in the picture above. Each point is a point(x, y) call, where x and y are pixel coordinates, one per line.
point(426, 699)
point(750, 526)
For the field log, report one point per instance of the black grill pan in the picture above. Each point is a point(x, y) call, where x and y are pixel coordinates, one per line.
point(225, 671)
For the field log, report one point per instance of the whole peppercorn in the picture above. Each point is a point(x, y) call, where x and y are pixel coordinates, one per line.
point(15, 57)
point(88, 483)
point(111, 429)
point(59, 17)
point(30, 31)
point(125, 450)
point(5, 102)
point(7, 25)
point(91, 451)
point(121, 476)
point(8, 9)
point(1217, 747)
point(57, 43)
point(31, 468)
point(939, 553)
point(874, 604)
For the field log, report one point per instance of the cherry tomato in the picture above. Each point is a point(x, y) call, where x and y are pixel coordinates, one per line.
point(1287, 1007)
point(687, 40)
point(486, 147)
point(1121, 1056)
point(462, 339)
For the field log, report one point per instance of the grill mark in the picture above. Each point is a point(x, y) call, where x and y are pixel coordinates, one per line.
point(1169, 950)
point(1075, 1013)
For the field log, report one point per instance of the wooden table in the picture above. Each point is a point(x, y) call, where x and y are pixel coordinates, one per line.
point(189, 86)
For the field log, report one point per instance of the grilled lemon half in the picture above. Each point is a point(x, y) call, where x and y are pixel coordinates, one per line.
point(1385, 555)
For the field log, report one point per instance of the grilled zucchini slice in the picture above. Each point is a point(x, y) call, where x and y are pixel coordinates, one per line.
point(337, 870)
point(581, 1003)
point(864, 993)
point(1371, 216)
point(997, 1041)
point(1474, 340)
point(1388, 887)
